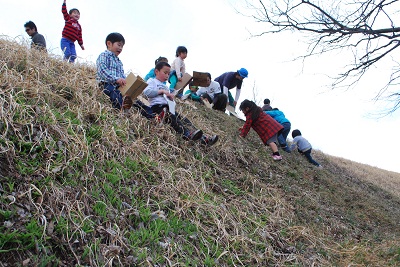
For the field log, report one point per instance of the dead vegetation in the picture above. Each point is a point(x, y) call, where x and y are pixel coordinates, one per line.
point(84, 185)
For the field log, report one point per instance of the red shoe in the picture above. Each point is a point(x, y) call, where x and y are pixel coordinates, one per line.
point(161, 117)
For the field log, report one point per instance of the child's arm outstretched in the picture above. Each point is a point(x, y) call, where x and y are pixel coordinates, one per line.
point(64, 11)
point(246, 127)
point(293, 146)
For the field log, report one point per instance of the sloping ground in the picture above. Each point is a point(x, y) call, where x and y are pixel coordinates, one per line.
point(82, 184)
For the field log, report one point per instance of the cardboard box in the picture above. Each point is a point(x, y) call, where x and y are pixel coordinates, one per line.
point(181, 85)
point(200, 78)
point(232, 111)
point(134, 86)
point(207, 104)
point(143, 100)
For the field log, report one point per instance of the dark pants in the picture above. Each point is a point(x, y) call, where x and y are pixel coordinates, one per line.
point(307, 154)
point(116, 100)
point(113, 93)
point(283, 134)
point(219, 102)
point(179, 123)
point(144, 110)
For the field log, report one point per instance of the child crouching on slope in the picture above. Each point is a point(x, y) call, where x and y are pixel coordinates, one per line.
point(264, 125)
point(303, 146)
point(156, 90)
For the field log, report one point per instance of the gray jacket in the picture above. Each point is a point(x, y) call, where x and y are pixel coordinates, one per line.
point(38, 41)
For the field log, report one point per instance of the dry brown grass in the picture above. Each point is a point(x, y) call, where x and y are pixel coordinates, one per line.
point(68, 154)
point(387, 180)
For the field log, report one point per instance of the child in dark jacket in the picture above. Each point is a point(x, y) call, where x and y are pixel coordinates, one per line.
point(264, 125)
point(303, 146)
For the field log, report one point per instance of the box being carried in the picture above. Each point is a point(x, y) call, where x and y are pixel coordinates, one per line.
point(182, 84)
point(200, 78)
point(134, 86)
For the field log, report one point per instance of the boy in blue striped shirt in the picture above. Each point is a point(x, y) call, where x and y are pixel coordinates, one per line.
point(110, 71)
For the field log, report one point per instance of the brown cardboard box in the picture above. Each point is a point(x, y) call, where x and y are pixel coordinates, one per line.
point(200, 79)
point(143, 100)
point(134, 86)
point(206, 103)
point(181, 85)
point(232, 111)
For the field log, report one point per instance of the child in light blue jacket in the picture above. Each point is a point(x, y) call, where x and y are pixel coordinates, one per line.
point(280, 117)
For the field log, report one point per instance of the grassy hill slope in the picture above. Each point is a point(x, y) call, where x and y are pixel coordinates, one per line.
point(84, 185)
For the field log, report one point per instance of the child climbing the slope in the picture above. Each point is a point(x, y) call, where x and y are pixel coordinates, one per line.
point(279, 116)
point(303, 146)
point(158, 92)
point(264, 125)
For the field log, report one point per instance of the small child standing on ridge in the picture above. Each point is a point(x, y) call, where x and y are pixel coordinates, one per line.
point(264, 125)
point(72, 32)
point(303, 146)
point(110, 71)
point(157, 92)
point(178, 67)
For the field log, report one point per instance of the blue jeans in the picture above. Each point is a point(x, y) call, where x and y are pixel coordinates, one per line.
point(284, 133)
point(114, 94)
point(307, 154)
point(68, 48)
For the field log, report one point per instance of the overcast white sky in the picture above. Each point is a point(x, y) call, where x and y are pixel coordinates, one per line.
point(218, 39)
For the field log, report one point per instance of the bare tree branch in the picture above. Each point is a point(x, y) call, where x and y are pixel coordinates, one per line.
point(367, 27)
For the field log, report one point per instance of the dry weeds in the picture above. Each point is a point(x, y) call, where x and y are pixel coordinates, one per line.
point(387, 180)
point(90, 178)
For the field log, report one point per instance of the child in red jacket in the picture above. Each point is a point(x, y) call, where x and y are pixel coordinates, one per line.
point(72, 32)
point(264, 125)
